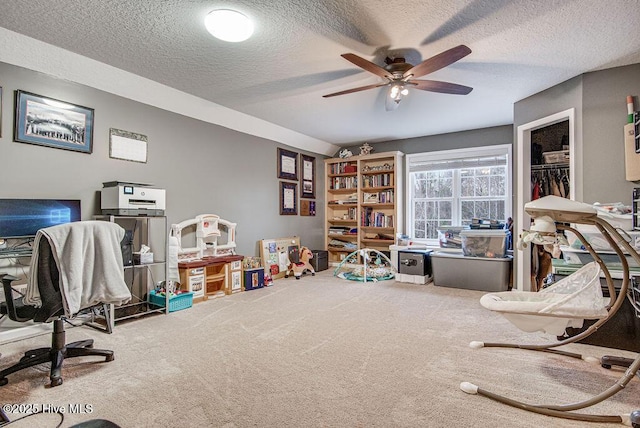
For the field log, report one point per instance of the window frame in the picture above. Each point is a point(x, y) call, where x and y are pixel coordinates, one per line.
point(452, 155)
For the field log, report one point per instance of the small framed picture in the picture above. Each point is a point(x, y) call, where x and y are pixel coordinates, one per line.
point(307, 208)
point(308, 188)
point(53, 123)
point(288, 198)
point(287, 165)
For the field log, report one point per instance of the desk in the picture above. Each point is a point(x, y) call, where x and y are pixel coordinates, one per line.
point(211, 276)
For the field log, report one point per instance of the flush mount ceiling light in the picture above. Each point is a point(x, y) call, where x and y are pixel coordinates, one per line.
point(228, 25)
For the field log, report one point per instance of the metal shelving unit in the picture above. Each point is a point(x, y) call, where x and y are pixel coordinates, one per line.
point(140, 277)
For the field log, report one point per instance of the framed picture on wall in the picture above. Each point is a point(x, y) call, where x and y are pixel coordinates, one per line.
point(0, 111)
point(308, 188)
point(307, 208)
point(288, 198)
point(287, 165)
point(53, 123)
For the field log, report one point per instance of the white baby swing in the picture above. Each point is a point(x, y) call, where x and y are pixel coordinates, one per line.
point(567, 303)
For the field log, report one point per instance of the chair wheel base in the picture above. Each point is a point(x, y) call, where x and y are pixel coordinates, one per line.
point(56, 382)
point(4, 381)
point(109, 358)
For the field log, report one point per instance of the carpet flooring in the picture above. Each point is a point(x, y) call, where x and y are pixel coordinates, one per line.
point(317, 352)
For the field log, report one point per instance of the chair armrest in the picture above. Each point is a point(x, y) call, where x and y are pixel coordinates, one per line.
point(12, 310)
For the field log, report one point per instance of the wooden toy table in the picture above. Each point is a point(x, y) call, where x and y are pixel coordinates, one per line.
point(212, 276)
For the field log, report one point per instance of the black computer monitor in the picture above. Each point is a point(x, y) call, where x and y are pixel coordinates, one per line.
point(22, 218)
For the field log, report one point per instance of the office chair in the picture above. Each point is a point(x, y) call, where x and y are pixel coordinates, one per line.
point(15, 309)
point(51, 275)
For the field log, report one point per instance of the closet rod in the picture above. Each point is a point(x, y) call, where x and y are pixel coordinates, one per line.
point(549, 166)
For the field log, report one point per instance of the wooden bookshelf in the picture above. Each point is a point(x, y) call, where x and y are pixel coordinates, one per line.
point(364, 207)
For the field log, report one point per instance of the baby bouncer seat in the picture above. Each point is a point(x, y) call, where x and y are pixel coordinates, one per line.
point(568, 303)
point(364, 265)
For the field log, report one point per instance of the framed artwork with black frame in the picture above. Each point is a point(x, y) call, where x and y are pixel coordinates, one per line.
point(53, 123)
point(288, 198)
point(308, 168)
point(287, 165)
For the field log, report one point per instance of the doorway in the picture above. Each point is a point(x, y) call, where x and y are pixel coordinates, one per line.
point(525, 136)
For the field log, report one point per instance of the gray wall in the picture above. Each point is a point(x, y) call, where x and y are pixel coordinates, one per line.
point(456, 140)
point(604, 114)
point(558, 98)
point(599, 98)
point(204, 168)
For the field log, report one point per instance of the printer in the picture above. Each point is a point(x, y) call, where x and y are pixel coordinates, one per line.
point(132, 199)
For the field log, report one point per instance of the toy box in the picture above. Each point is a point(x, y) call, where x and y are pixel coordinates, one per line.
point(253, 278)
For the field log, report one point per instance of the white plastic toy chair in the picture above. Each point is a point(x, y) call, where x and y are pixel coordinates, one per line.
point(567, 304)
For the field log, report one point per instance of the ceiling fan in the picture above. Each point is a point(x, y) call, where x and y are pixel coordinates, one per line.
point(400, 75)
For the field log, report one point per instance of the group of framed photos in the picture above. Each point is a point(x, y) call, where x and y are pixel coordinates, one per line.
point(297, 169)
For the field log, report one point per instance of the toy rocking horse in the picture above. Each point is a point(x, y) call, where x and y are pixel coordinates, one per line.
point(303, 265)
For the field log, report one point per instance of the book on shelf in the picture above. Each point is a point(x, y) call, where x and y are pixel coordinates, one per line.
point(384, 197)
point(370, 218)
point(370, 198)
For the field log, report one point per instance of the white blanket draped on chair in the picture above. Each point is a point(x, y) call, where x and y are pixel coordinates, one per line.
point(83, 284)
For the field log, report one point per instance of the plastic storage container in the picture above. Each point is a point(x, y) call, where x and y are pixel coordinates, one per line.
point(580, 257)
point(561, 156)
point(598, 242)
point(450, 237)
point(473, 273)
point(177, 302)
point(484, 243)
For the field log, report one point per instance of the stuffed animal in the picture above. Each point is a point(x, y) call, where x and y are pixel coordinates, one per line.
point(303, 265)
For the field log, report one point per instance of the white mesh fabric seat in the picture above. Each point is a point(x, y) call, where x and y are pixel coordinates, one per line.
point(567, 303)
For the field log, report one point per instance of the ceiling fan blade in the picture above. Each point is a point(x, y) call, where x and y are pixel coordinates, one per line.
point(367, 65)
point(361, 88)
point(439, 61)
point(437, 86)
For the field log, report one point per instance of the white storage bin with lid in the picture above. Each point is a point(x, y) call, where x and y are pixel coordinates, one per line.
point(598, 242)
point(561, 156)
point(484, 243)
point(573, 256)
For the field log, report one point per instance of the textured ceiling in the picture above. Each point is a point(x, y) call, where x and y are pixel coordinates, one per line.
point(519, 48)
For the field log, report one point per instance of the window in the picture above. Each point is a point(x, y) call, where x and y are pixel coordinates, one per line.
point(452, 187)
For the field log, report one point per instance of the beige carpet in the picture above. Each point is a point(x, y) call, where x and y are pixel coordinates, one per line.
point(318, 352)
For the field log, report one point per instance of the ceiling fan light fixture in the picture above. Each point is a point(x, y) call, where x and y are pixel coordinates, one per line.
point(228, 25)
point(397, 92)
